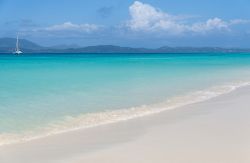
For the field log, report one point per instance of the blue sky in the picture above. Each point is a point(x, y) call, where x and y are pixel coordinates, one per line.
point(144, 23)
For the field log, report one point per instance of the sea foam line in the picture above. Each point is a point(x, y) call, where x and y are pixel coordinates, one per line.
point(103, 118)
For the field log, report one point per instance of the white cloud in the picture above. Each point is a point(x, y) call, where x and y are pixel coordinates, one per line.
point(145, 17)
point(65, 30)
point(68, 26)
point(210, 24)
point(239, 21)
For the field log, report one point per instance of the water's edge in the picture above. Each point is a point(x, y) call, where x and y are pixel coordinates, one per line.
point(103, 118)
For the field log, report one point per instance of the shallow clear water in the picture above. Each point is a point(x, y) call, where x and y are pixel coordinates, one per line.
point(39, 90)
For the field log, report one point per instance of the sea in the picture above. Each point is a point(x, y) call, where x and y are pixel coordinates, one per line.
point(46, 94)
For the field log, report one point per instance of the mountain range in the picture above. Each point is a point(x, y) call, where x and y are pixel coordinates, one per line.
point(7, 45)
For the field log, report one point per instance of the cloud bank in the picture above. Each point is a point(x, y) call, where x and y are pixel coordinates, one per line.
point(68, 26)
point(146, 25)
point(147, 18)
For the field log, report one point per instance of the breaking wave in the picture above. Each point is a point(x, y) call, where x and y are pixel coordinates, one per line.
point(96, 119)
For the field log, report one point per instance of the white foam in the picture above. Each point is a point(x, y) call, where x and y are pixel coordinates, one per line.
point(102, 118)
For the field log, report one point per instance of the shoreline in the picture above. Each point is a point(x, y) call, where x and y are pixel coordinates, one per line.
point(92, 120)
point(215, 130)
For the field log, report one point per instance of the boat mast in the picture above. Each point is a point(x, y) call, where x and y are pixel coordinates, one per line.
point(17, 50)
point(17, 42)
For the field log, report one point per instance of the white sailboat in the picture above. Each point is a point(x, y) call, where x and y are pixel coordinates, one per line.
point(17, 50)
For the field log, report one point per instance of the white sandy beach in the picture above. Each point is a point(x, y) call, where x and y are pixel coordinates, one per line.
point(214, 131)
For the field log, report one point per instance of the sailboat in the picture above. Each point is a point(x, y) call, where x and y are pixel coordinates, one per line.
point(17, 50)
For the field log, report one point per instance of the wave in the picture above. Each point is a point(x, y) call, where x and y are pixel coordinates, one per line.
point(102, 118)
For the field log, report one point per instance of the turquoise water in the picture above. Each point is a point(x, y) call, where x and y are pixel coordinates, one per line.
point(45, 91)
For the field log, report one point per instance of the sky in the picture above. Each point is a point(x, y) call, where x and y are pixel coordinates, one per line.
point(142, 23)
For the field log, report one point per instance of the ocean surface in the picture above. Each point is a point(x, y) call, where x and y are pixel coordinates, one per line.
point(48, 94)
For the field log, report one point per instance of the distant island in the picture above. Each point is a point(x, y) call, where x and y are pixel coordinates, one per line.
point(7, 45)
